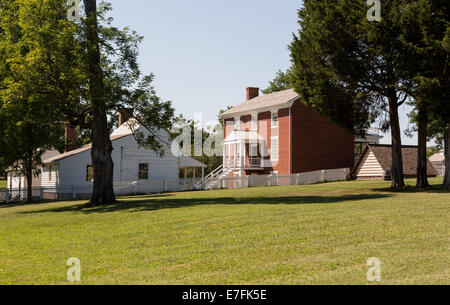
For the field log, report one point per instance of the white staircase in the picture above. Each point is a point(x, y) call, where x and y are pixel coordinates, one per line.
point(212, 181)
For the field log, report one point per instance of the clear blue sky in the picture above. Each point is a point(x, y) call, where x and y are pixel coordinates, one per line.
point(204, 53)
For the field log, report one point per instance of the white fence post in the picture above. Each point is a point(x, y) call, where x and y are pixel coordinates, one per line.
point(298, 179)
point(323, 175)
point(41, 193)
point(249, 180)
point(7, 195)
point(270, 180)
point(134, 188)
point(166, 188)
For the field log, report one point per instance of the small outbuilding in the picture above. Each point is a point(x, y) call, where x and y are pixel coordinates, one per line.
point(376, 161)
point(438, 161)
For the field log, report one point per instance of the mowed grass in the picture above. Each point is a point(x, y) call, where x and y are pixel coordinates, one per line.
point(317, 234)
point(3, 184)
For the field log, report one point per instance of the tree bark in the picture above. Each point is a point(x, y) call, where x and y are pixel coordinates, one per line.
point(103, 191)
point(397, 157)
point(447, 158)
point(422, 170)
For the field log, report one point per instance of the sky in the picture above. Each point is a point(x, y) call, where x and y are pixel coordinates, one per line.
point(204, 53)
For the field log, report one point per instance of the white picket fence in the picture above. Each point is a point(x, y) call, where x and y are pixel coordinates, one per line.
point(178, 185)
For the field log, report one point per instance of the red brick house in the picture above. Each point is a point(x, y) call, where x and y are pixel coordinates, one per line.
point(278, 134)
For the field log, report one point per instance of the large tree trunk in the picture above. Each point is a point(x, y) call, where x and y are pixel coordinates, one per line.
point(447, 158)
point(397, 158)
point(422, 170)
point(103, 191)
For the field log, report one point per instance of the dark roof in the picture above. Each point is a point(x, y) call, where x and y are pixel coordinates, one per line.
point(383, 153)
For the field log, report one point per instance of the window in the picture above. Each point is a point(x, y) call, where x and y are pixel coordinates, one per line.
point(143, 171)
point(89, 173)
point(274, 148)
point(237, 123)
point(253, 150)
point(254, 160)
point(254, 122)
point(274, 119)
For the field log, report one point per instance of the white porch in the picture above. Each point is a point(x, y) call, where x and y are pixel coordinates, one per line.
point(243, 150)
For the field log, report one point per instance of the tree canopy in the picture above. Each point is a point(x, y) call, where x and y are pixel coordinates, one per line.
point(355, 70)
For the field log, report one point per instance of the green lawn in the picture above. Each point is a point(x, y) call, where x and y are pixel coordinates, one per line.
point(317, 234)
point(3, 184)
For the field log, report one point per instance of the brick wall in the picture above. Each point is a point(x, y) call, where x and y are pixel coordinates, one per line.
point(317, 142)
point(229, 126)
point(246, 122)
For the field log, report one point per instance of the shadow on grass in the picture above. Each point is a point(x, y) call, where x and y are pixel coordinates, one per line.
point(4, 205)
point(433, 189)
point(154, 203)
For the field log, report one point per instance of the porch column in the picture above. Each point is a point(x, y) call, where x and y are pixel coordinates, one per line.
point(203, 178)
point(244, 156)
point(224, 148)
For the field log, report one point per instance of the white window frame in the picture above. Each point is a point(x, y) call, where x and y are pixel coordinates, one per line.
point(87, 173)
point(237, 123)
point(148, 171)
point(255, 122)
point(272, 148)
point(253, 147)
point(272, 121)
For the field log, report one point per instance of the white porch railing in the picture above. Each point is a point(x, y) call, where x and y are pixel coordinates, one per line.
point(243, 162)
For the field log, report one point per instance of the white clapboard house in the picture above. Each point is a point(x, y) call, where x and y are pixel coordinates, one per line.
point(17, 181)
point(136, 169)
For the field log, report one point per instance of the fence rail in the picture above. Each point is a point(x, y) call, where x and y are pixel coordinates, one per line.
point(177, 185)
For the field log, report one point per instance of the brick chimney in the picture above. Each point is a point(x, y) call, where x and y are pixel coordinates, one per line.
point(70, 137)
point(252, 93)
point(125, 115)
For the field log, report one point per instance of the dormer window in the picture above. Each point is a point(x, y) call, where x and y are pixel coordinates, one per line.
point(237, 123)
point(254, 122)
point(274, 119)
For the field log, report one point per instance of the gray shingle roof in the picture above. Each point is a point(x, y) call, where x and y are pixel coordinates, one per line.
point(273, 100)
point(78, 150)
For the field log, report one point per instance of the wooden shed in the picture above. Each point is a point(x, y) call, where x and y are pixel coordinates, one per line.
point(376, 161)
point(438, 161)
